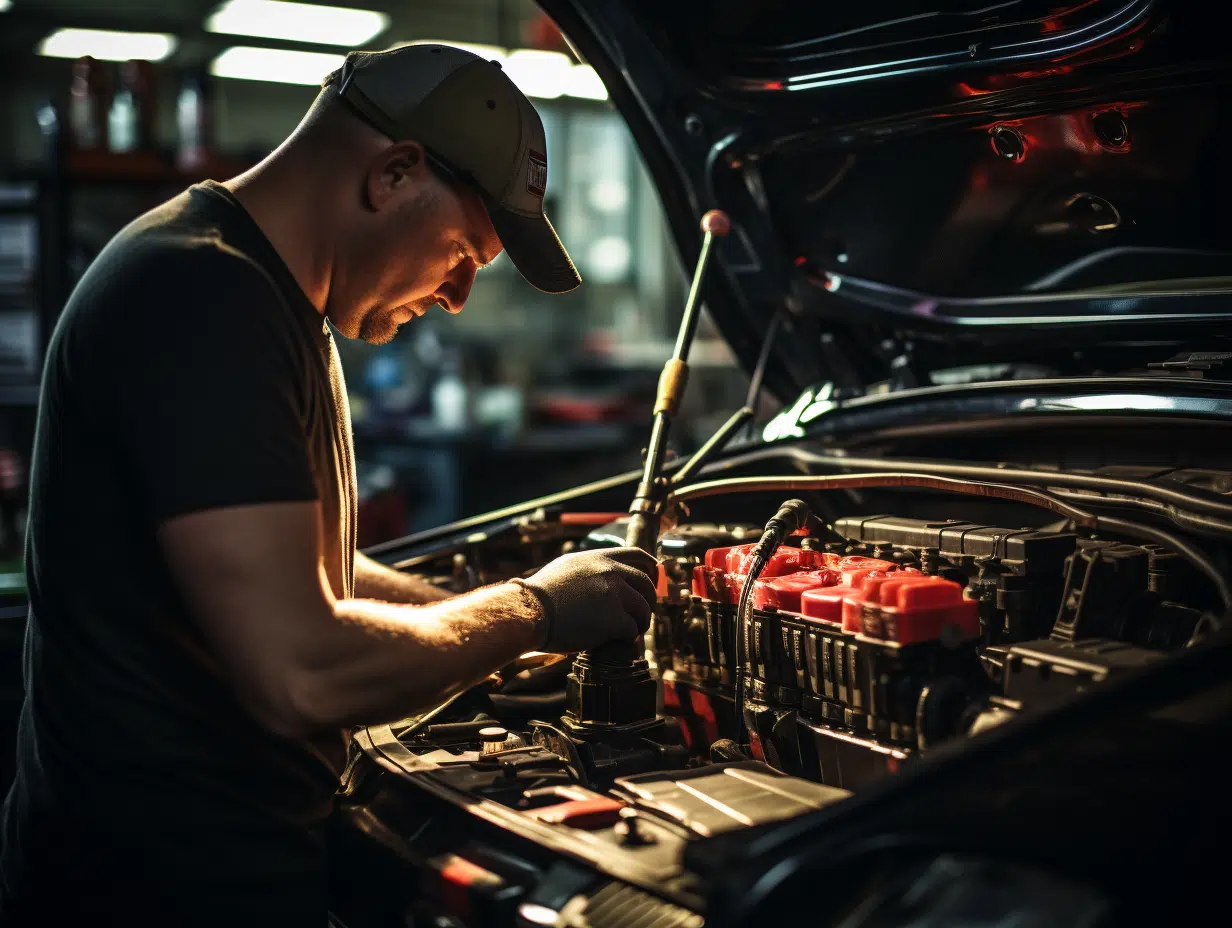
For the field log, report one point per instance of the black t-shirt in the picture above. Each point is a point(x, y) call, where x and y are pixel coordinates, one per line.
point(188, 372)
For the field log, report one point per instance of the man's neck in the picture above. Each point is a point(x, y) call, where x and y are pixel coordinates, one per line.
point(278, 195)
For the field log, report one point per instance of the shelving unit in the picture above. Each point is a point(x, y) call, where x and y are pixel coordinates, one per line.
point(150, 176)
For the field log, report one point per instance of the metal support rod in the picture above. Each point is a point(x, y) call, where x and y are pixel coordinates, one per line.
point(714, 443)
point(646, 510)
point(647, 506)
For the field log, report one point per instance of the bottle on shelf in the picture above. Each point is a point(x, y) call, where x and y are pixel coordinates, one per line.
point(194, 116)
point(86, 110)
point(451, 397)
point(130, 120)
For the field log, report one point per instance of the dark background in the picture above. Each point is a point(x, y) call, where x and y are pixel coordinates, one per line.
point(519, 396)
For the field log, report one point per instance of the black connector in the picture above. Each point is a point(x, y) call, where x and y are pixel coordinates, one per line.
point(792, 516)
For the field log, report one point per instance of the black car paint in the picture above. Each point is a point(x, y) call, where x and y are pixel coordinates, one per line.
point(898, 187)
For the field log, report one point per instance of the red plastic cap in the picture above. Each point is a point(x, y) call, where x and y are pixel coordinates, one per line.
point(717, 557)
point(918, 609)
point(711, 583)
point(783, 593)
point(854, 619)
point(825, 559)
point(856, 562)
point(586, 814)
point(784, 561)
point(826, 603)
point(736, 556)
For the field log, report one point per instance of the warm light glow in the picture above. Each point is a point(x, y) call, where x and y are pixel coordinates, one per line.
point(538, 73)
point(276, 65)
point(297, 22)
point(537, 914)
point(546, 75)
point(583, 82)
point(106, 45)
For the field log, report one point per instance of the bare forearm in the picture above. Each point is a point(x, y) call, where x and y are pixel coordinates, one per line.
point(376, 581)
point(385, 661)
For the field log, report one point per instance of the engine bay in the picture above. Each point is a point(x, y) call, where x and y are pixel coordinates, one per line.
point(866, 642)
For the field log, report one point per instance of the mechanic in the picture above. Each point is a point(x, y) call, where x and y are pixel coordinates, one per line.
point(202, 630)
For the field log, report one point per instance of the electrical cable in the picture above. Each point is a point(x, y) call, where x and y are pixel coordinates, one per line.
point(1038, 498)
point(792, 515)
point(791, 484)
point(757, 565)
point(1195, 557)
point(1173, 496)
point(1194, 522)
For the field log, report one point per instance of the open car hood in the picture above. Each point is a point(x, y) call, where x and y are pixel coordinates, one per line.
point(921, 189)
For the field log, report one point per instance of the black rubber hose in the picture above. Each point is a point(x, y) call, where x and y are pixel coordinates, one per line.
point(746, 596)
point(1195, 522)
point(1168, 495)
point(792, 515)
point(1195, 557)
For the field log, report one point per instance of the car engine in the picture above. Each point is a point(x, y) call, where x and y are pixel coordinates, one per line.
point(817, 633)
point(565, 790)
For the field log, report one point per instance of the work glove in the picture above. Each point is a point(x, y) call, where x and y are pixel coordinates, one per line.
point(592, 597)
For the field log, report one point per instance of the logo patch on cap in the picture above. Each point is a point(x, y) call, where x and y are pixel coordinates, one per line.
point(537, 173)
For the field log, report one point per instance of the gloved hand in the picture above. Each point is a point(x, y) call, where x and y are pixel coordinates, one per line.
point(593, 597)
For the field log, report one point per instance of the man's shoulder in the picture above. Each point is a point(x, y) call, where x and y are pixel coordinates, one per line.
point(178, 247)
point(172, 270)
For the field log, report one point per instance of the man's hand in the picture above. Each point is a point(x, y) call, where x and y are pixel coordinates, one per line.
point(593, 597)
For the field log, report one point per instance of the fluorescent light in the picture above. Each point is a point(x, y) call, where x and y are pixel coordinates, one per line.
point(488, 52)
point(542, 74)
point(585, 83)
point(538, 73)
point(5, 5)
point(297, 22)
point(107, 45)
point(273, 64)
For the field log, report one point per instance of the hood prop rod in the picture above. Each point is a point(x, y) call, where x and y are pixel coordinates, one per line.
point(619, 668)
point(647, 506)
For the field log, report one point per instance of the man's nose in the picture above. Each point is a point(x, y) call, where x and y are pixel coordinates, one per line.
point(454, 292)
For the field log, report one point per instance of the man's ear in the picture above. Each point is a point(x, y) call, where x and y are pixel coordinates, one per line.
point(392, 171)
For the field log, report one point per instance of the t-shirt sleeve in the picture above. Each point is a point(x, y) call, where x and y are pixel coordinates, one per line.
point(210, 390)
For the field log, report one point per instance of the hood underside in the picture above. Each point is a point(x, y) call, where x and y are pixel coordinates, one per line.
point(915, 189)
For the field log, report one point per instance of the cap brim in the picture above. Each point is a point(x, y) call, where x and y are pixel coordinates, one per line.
point(535, 250)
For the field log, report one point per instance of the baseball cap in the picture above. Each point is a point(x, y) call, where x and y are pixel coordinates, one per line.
point(476, 125)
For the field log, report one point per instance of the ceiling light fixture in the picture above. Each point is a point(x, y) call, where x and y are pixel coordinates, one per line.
point(538, 73)
point(584, 83)
point(279, 66)
point(297, 22)
point(542, 74)
point(107, 45)
point(5, 5)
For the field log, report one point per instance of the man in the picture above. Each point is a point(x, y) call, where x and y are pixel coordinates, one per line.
point(201, 629)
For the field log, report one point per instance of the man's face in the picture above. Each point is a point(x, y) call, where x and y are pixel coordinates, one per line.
point(421, 245)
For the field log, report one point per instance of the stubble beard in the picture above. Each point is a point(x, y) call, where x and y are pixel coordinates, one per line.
point(379, 327)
